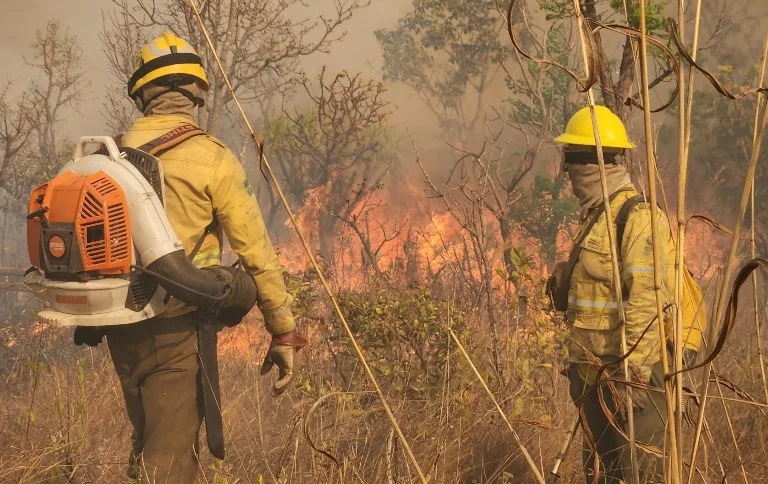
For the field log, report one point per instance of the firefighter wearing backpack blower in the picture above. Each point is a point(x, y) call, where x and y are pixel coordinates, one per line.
point(582, 287)
point(167, 365)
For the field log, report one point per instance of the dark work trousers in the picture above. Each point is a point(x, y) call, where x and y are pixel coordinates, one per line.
point(612, 447)
point(159, 371)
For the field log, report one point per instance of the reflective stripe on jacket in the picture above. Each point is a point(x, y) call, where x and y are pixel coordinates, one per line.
point(203, 177)
point(592, 309)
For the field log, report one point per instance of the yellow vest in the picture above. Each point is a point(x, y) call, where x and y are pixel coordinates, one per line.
point(592, 308)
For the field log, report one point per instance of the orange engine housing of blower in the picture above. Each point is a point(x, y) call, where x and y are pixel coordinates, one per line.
point(78, 227)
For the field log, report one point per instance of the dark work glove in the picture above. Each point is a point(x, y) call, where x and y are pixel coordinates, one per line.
point(282, 351)
point(689, 357)
point(90, 335)
point(241, 298)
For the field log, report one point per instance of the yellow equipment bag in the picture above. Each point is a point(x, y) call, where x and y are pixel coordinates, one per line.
point(694, 312)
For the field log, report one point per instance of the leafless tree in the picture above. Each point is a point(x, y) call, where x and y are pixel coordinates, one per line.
point(336, 149)
point(58, 87)
point(371, 224)
point(121, 40)
point(14, 133)
point(58, 58)
point(466, 195)
point(258, 42)
point(32, 147)
point(14, 129)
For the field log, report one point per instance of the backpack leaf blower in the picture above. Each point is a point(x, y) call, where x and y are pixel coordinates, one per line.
point(104, 252)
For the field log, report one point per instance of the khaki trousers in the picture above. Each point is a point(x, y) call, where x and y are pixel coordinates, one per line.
point(157, 363)
point(612, 447)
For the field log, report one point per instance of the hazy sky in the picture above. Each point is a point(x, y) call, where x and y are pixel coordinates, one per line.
point(18, 25)
point(359, 51)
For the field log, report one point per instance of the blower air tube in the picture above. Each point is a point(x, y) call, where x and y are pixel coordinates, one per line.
point(228, 292)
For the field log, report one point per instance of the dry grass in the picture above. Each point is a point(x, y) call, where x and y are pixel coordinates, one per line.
point(77, 430)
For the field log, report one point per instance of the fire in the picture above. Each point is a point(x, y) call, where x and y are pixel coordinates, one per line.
point(398, 232)
point(406, 232)
point(706, 250)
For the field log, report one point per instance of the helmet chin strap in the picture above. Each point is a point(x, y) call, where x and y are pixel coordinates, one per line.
point(197, 101)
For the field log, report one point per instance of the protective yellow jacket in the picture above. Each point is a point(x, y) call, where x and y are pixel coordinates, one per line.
point(203, 178)
point(592, 309)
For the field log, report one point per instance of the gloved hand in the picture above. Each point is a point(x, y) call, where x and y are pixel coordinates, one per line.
point(90, 335)
point(689, 357)
point(282, 352)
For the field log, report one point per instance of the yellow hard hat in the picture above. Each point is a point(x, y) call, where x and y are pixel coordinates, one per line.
point(164, 57)
point(579, 131)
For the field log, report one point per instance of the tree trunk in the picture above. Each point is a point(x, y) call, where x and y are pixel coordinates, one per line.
point(616, 94)
point(505, 227)
point(2, 241)
point(603, 73)
point(410, 250)
point(327, 228)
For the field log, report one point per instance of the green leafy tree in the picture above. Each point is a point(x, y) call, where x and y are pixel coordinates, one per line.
point(449, 53)
point(402, 331)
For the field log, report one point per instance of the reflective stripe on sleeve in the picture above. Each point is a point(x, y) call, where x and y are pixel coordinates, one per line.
point(205, 259)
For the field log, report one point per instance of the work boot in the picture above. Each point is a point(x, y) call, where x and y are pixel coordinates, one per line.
point(133, 468)
point(133, 459)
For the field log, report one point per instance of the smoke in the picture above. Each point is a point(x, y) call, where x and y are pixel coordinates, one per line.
point(18, 27)
point(359, 50)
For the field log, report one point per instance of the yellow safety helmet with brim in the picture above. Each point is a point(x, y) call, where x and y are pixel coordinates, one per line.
point(168, 60)
point(579, 130)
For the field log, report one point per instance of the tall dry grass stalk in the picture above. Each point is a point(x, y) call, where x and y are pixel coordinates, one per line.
point(758, 332)
point(673, 467)
point(258, 141)
point(727, 272)
point(615, 280)
point(684, 131)
point(684, 137)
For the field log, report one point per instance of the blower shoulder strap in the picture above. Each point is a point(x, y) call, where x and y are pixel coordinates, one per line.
point(208, 229)
point(161, 144)
point(171, 139)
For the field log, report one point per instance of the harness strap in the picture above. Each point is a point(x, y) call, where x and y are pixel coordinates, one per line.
point(160, 145)
point(623, 217)
point(163, 143)
point(171, 139)
point(576, 251)
point(208, 230)
point(559, 283)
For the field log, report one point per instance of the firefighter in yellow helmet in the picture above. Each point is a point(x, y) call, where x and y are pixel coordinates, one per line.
point(167, 365)
point(592, 309)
